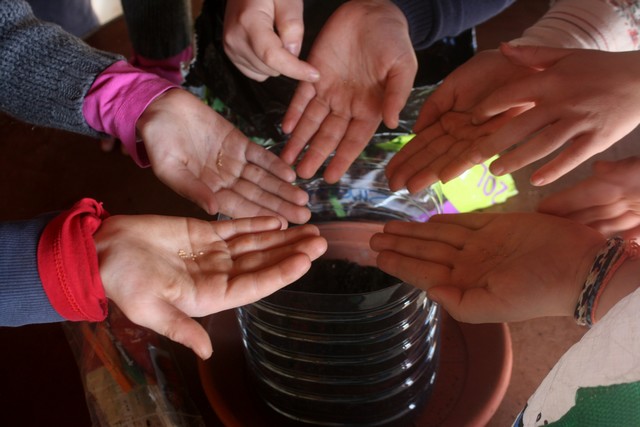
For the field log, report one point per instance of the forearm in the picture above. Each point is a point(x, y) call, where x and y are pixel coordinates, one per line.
point(431, 20)
point(46, 72)
point(586, 24)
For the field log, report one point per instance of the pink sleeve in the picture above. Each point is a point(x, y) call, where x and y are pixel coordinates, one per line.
point(116, 100)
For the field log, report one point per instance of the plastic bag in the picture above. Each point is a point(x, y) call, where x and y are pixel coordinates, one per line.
point(129, 375)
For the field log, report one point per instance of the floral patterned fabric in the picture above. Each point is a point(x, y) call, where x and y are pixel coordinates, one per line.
point(611, 25)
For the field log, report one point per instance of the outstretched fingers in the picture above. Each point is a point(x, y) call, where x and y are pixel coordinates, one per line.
point(256, 242)
point(296, 115)
point(418, 272)
point(579, 149)
point(228, 229)
point(356, 138)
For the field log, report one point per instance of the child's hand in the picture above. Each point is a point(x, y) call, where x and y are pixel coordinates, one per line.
point(263, 39)
point(492, 267)
point(444, 129)
point(162, 271)
point(203, 157)
point(583, 101)
point(368, 65)
point(608, 201)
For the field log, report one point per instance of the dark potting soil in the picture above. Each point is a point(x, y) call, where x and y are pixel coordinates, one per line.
point(332, 276)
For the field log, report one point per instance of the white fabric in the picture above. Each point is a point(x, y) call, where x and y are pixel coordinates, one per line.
point(607, 354)
point(608, 25)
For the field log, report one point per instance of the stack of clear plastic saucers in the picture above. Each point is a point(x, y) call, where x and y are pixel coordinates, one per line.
point(348, 359)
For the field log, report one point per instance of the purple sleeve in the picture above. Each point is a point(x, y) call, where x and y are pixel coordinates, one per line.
point(431, 20)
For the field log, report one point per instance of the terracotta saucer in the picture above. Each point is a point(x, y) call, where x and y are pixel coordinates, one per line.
point(474, 372)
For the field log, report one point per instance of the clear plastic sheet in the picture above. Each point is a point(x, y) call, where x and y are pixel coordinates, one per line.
point(130, 375)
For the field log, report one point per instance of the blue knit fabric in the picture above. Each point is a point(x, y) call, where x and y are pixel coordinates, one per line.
point(432, 20)
point(22, 297)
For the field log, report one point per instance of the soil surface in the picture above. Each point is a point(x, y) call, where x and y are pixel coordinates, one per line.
point(331, 276)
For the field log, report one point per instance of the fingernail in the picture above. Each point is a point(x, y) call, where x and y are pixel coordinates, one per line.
point(474, 156)
point(314, 76)
point(537, 181)
point(497, 170)
point(293, 48)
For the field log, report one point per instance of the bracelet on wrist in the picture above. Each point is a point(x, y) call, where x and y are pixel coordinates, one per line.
point(604, 266)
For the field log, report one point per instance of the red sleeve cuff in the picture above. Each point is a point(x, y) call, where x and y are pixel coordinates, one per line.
point(68, 263)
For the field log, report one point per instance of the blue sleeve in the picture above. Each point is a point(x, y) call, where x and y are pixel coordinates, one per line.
point(432, 20)
point(22, 297)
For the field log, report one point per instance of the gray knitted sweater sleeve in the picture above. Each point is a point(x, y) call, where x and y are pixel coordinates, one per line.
point(45, 72)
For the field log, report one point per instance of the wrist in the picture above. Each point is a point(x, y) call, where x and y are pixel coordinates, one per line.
point(624, 281)
point(610, 278)
point(116, 100)
point(68, 263)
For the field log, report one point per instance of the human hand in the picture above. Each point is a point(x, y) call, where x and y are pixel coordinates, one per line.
point(203, 157)
point(162, 271)
point(492, 267)
point(444, 129)
point(263, 39)
point(584, 100)
point(608, 201)
point(368, 66)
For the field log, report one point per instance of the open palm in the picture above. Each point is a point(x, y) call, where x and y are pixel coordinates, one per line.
point(203, 157)
point(367, 67)
point(492, 267)
point(162, 271)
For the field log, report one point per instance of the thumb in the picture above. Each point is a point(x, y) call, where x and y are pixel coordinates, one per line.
point(396, 94)
point(178, 327)
point(449, 298)
point(438, 103)
point(473, 305)
point(289, 24)
point(536, 57)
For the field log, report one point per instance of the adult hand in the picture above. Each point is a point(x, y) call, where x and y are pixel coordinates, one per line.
point(368, 66)
point(162, 271)
point(263, 39)
point(608, 201)
point(203, 157)
point(444, 130)
point(584, 100)
point(492, 267)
